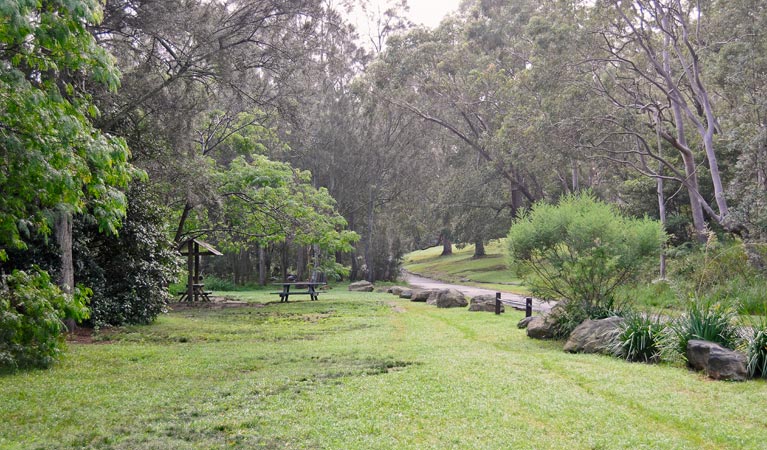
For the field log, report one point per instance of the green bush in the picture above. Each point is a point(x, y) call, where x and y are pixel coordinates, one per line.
point(639, 338)
point(756, 349)
point(720, 270)
point(704, 320)
point(582, 250)
point(129, 272)
point(31, 314)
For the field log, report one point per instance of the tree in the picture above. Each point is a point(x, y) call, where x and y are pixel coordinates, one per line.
point(581, 250)
point(53, 157)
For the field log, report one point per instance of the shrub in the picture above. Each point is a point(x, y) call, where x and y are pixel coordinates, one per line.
point(639, 338)
point(31, 314)
point(704, 320)
point(720, 269)
point(756, 349)
point(581, 250)
point(129, 273)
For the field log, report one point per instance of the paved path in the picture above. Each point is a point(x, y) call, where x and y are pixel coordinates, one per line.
point(516, 301)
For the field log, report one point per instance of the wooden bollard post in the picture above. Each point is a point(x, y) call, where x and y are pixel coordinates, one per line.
point(528, 307)
point(497, 303)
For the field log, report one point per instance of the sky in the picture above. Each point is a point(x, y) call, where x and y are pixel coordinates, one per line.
point(430, 12)
point(422, 12)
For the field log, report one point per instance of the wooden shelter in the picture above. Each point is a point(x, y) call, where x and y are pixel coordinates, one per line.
point(193, 249)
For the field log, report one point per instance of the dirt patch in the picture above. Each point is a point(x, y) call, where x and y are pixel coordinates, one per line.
point(397, 308)
point(90, 336)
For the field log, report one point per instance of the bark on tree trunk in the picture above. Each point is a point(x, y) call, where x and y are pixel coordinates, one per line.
point(63, 226)
point(261, 265)
point(447, 245)
point(479, 249)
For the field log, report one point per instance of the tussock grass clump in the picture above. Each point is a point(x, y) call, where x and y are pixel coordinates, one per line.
point(756, 349)
point(704, 320)
point(640, 338)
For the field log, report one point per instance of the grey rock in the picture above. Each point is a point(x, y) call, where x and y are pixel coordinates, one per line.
point(483, 303)
point(717, 362)
point(449, 298)
point(421, 296)
point(594, 336)
point(396, 290)
point(361, 286)
point(523, 323)
point(541, 327)
point(406, 293)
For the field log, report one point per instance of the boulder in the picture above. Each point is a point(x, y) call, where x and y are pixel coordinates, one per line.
point(594, 336)
point(717, 362)
point(406, 293)
point(361, 286)
point(541, 327)
point(421, 296)
point(449, 298)
point(432, 299)
point(483, 303)
point(523, 323)
point(396, 290)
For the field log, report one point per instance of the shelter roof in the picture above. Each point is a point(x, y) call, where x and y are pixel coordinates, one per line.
point(205, 248)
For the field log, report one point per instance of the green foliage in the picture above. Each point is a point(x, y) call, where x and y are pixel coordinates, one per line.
point(52, 155)
point(649, 296)
point(756, 349)
point(267, 201)
point(129, 272)
point(640, 337)
point(581, 250)
point(31, 314)
point(704, 320)
point(721, 270)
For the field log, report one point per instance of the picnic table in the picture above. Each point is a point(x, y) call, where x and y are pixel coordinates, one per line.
point(198, 291)
point(310, 289)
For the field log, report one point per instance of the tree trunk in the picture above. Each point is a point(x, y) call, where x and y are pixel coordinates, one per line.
point(447, 245)
point(300, 262)
point(479, 249)
point(690, 171)
point(369, 241)
point(261, 265)
point(661, 198)
point(63, 226)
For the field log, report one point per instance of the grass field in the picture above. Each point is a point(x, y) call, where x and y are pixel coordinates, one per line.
point(490, 272)
point(363, 371)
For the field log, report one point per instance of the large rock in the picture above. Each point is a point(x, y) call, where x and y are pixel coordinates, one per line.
point(541, 327)
point(716, 361)
point(396, 290)
point(483, 303)
point(524, 322)
point(594, 336)
point(361, 286)
point(406, 293)
point(421, 296)
point(448, 298)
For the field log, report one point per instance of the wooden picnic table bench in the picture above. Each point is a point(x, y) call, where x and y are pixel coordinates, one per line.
point(198, 289)
point(311, 290)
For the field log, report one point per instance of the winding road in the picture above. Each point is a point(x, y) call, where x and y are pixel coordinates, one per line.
point(516, 301)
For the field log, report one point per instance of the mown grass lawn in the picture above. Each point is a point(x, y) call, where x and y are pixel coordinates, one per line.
point(363, 371)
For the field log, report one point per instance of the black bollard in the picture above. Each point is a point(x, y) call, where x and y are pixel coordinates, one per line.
point(497, 303)
point(528, 307)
